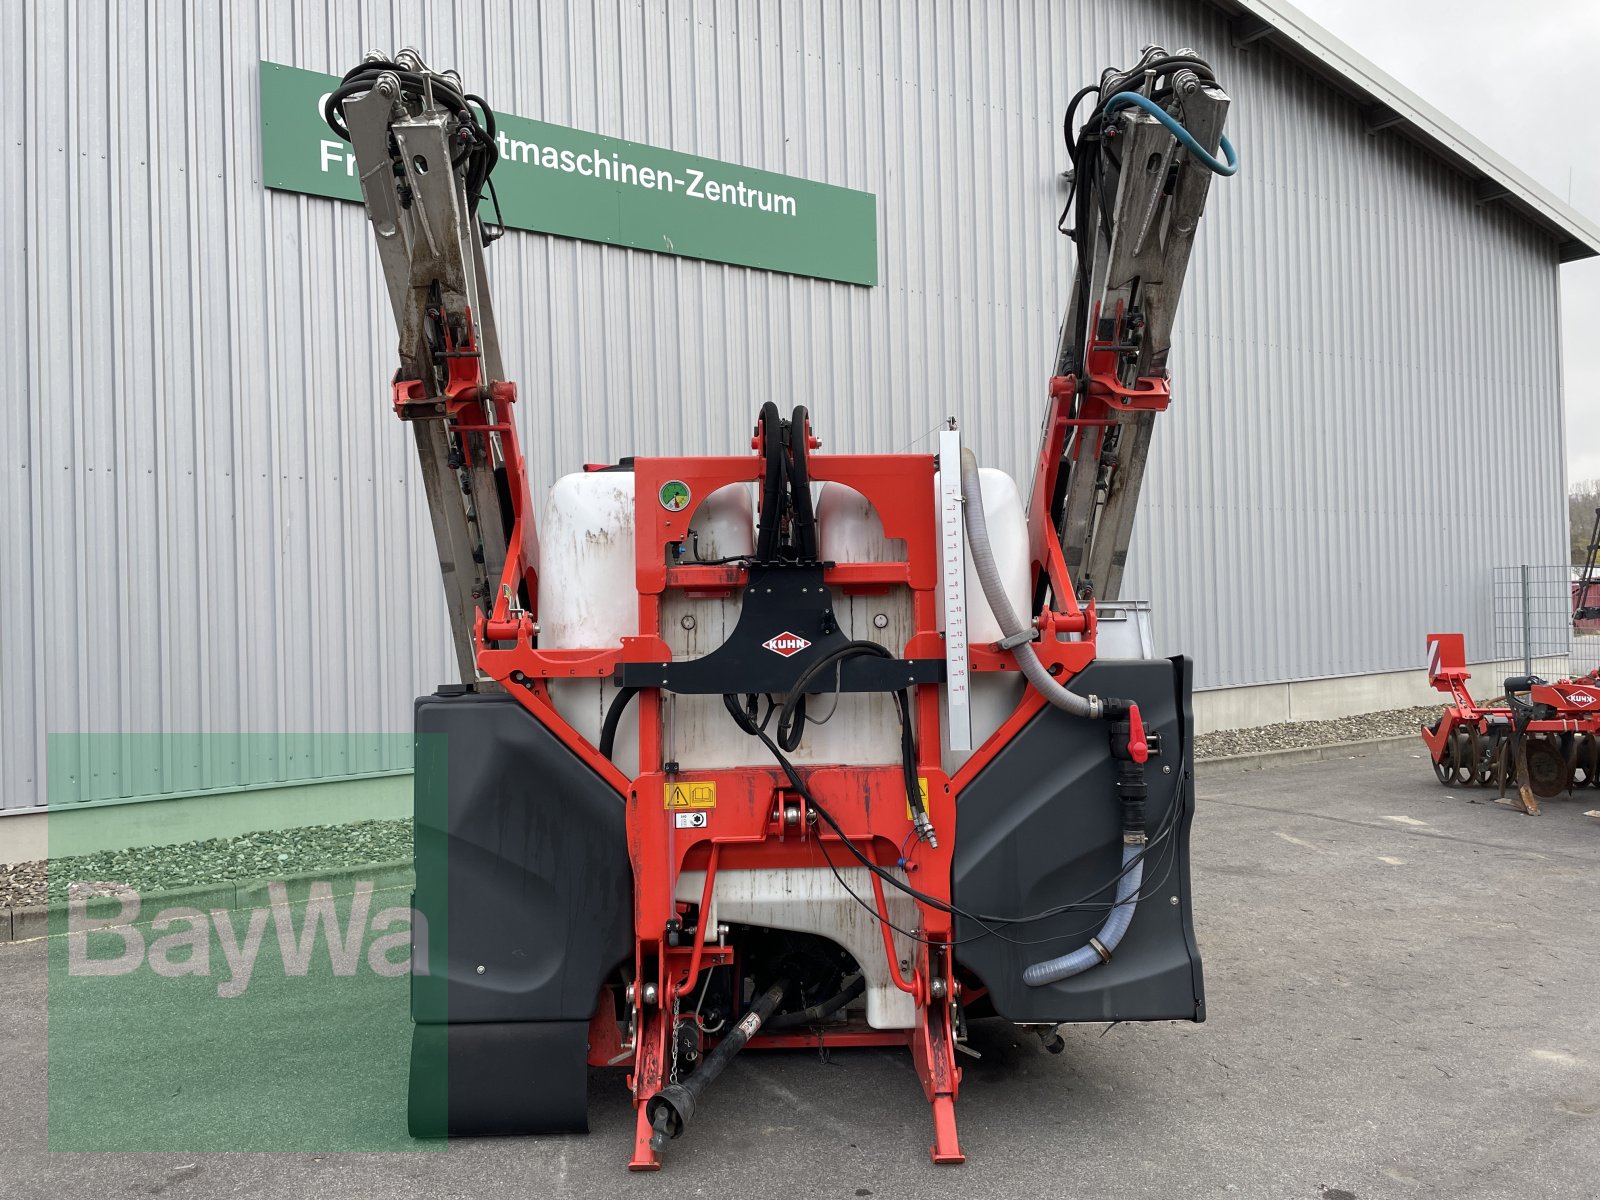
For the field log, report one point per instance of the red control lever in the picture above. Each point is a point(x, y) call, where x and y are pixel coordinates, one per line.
point(1138, 747)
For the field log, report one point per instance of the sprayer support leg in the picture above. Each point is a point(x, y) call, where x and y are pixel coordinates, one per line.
point(931, 1049)
point(946, 1148)
point(644, 1156)
point(649, 1073)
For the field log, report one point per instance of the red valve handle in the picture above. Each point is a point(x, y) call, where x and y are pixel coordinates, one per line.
point(1138, 747)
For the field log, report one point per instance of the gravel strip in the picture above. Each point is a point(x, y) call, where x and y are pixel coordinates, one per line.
point(267, 854)
point(1295, 735)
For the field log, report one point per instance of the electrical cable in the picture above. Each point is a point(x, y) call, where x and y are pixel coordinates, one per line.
point(838, 690)
point(988, 924)
point(788, 728)
point(988, 931)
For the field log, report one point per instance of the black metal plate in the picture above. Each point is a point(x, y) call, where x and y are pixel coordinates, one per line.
point(781, 602)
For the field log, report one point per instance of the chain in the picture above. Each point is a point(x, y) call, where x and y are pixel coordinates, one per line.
point(672, 1074)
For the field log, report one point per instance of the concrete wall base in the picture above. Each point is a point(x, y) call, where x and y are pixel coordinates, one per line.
point(1346, 696)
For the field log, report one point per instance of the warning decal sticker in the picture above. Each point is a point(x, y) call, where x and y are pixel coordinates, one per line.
point(683, 795)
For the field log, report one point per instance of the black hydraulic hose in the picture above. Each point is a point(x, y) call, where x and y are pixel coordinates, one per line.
point(772, 484)
point(791, 723)
point(364, 76)
point(479, 152)
point(488, 114)
point(672, 1108)
point(805, 517)
point(608, 731)
point(820, 1012)
point(789, 728)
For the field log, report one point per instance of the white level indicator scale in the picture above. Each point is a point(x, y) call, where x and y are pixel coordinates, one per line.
point(953, 583)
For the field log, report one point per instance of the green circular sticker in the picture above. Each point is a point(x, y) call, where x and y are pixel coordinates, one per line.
point(674, 495)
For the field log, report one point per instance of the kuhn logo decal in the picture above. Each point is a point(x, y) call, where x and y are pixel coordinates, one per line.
point(786, 644)
point(1583, 698)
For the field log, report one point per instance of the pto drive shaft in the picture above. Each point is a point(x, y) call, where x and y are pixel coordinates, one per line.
point(673, 1106)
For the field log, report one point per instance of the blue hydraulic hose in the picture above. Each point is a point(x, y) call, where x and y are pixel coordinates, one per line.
point(1123, 99)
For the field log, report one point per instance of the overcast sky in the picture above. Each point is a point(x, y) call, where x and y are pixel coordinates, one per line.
point(1519, 78)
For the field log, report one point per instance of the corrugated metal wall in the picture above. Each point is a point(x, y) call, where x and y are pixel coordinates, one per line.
point(214, 525)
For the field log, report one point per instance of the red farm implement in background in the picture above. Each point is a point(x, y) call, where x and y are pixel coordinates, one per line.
point(1543, 742)
point(1586, 588)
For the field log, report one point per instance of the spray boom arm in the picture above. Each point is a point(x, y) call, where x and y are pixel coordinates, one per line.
point(425, 151)
point(1142, 163)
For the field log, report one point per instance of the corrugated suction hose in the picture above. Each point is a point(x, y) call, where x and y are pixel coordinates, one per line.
point(994, 591)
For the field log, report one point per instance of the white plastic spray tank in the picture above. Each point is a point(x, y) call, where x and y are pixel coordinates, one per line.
point(857, 727)
point(588, 594)
point(696, 728)
point(995, 694)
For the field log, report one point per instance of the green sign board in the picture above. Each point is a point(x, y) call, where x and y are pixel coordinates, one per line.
point(553, 179)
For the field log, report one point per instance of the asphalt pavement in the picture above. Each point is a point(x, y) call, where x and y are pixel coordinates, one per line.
point(1402, 997)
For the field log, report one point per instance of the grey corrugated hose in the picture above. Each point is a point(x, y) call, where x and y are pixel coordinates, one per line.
point(1084, 957)
point(1000, 604)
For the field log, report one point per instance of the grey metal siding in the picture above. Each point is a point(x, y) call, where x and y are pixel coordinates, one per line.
point(213, 524)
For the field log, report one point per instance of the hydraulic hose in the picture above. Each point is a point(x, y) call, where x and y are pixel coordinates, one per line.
point(819, 1012)
point(1218, 166)
point(773, 482)
point(1103, 943)
point(1000, 604)
point(608, 731)
point(805, 515)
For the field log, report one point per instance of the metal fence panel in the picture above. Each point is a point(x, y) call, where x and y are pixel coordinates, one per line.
point(1533, 621)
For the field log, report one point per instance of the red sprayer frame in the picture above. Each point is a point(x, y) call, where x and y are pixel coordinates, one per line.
point(753, 824)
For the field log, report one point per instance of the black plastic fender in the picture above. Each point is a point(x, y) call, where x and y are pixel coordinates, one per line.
point(1040, 827)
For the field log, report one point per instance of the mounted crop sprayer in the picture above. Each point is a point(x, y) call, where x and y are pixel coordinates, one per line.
point(736, 761)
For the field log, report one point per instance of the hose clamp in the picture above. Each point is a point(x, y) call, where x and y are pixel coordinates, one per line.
point(1134, 837)
point(1100, 949)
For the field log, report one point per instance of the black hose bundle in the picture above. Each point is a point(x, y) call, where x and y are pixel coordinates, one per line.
point(1090, 197)
point(476, 153)
point(774, 482)
point(787, 527)
point(818, 1013)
